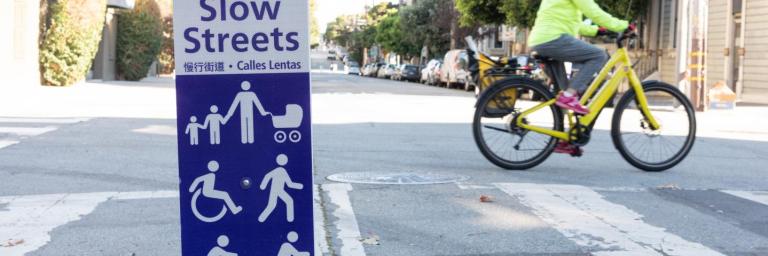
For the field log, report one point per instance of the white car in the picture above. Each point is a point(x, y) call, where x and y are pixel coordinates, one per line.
point(426, 72)
point(352, 68)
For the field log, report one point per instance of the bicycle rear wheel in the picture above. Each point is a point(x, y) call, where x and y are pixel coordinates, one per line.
point(648, 149)
point(495, 130)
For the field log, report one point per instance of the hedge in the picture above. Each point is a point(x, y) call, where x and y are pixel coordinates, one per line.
point(71, 31)
point(139, 38)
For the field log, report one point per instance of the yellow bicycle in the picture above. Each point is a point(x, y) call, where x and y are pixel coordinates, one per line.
point(516, 124)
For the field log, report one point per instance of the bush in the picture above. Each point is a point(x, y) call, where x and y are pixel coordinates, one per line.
point(71, 34)
point(139, 38)
point(165, 58)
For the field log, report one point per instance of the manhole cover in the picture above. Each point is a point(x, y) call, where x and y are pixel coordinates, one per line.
point(396, 178)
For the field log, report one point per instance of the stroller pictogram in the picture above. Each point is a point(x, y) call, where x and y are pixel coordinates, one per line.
point(290, 121)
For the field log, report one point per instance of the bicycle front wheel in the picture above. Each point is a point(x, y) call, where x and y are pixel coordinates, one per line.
point(495, 129)
point(648, 149)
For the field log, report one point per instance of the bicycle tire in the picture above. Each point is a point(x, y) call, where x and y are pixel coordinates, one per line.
point(678, 156)
point(491, 93)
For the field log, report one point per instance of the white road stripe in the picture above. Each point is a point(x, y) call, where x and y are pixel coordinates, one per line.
point(467, 186)
point(5, 143)
point(755, 196)
point(346, 223)
point(27, 131)
point(321, 242)
point(25, 120)
point(158, 130)
point(32, 218)
point(584, 217)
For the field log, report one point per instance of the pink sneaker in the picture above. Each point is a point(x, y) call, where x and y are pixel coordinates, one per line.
point(571, 103)
point(566, 148)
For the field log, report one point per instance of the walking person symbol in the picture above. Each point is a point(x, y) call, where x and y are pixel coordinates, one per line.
point(245, 100)
point(213, 123)
point(192, 130)
point(208, 181)
point(218, 250)
point(278, 178)
point(287, 249)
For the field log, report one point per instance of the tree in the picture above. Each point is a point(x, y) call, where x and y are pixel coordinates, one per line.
point(314, 31)
point(520, 13)
point(379, 12)
point(390, 35)
point(484, 12)
point(427, 25)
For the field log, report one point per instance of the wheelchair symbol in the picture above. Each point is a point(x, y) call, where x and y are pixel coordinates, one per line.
point(202, 217)
point(207, 190)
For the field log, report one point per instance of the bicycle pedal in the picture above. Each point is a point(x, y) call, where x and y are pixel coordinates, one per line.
point(577, 152)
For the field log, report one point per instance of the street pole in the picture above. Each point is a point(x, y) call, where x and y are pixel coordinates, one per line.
point(697, 56)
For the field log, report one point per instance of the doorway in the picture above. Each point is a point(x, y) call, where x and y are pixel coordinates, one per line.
point(736, 43)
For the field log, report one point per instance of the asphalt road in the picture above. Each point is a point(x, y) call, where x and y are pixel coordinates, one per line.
point(106, 186)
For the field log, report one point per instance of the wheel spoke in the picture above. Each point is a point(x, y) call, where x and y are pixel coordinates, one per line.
point(654, 149)
point(496, 132)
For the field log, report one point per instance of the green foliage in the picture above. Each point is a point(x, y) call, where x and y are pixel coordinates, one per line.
point(165, 58)
point(390, 35)
point(522, 13)
point(314, 31)
point(481, 12)
point(139, 38)
point(71, 34)
point(427, 25)
point(379, 12)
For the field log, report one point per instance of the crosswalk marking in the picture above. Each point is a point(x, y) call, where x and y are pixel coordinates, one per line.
point(5, 143)
point(321, 244)
point(26, 120)
point(580, 213)
point(32, 218)
point(755, 196)
point(346, 222)
point(27, 131)
point(584, 217)
point(13, 133)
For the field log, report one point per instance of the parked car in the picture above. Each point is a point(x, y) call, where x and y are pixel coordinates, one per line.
point(386, 71)
point(375, 69)
point(454, 69)
point(396, 74)
point(433, 77)
point(428, 70)
point(407, 73)
point(352, 68)
point(365, 69)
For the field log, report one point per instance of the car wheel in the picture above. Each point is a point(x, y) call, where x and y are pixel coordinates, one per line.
point(467, 86)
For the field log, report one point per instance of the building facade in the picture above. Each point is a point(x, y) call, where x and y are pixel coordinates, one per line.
point(19, 35)
point(710, 42)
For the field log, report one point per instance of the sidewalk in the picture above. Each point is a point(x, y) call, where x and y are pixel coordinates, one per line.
point(149, 98)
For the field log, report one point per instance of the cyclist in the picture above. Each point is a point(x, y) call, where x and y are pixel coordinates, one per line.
point(553, 35)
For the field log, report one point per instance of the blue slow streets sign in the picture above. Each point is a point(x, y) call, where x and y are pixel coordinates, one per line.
point(245, 160)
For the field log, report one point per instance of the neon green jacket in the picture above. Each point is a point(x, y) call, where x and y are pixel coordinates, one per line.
point(558, 17)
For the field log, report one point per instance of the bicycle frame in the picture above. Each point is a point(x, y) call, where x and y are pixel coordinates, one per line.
point(597, 96)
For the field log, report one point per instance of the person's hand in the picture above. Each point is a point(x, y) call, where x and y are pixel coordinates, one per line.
point(601, 31)
point(630, 31)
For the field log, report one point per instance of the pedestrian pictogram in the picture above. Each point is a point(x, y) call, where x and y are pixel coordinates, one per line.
point(278, 180)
